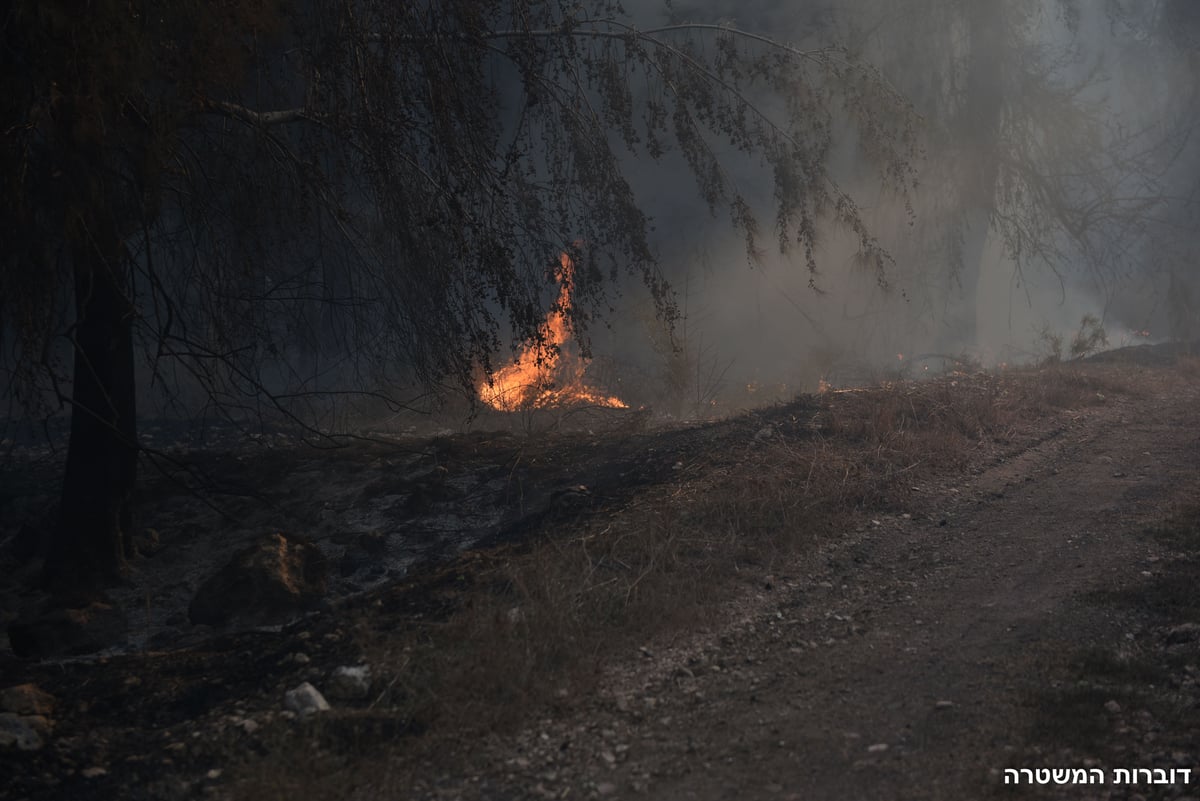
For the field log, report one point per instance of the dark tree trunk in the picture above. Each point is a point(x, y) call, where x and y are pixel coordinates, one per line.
point(90, 545)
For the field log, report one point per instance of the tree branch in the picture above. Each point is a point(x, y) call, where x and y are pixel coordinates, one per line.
point(264, 118)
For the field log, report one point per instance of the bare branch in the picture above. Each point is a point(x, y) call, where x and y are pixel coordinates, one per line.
point(265, 119)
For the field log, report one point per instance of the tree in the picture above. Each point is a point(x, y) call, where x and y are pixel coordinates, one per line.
point(93, 104)
point(1028, 153)
point(278, 203)
point(1166, 74)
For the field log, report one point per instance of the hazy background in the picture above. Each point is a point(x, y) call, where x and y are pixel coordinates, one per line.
point(1095, 99)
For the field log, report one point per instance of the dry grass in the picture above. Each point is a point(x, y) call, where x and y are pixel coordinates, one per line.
point(530, 628)
point(1188, 366)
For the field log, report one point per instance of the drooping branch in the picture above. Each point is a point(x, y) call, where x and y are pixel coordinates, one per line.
point(265, 119)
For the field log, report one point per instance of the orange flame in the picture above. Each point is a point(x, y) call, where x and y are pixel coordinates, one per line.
point(547, 374)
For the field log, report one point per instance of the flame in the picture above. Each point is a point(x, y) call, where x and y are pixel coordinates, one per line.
point(546, 374)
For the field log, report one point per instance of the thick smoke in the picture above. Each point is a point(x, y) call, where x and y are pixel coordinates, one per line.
point(1057, 198)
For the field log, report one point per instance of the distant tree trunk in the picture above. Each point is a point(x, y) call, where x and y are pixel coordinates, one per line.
point(962, 315)
point(92, 539)
point(978, 127)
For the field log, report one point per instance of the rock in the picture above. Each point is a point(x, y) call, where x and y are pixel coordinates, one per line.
point(1112, 708)
point(606, 788)
point(270, 582)
point(68, 632)
point(23, 732)
point(26, 699)
point(93, 772)
point(350, 683)
point(305, 699)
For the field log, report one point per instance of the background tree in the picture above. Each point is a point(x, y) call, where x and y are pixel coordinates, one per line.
point(1036, 178)
point(1030, 152)
point(272, 204)
point(1162, 41)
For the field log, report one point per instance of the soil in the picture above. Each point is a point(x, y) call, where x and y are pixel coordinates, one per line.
point(1016, 615)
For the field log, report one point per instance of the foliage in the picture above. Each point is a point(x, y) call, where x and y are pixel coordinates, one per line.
point(329, 196)
point(1032, 148)
point(1088, 338)
point(1051, 344)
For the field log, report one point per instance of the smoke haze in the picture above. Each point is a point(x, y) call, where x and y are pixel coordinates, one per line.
point(1065, 193)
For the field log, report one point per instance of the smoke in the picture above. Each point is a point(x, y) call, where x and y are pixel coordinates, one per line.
point(1064, 197)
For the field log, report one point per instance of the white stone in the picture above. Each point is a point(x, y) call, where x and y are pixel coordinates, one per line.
point(350, 682)
point(305, 699)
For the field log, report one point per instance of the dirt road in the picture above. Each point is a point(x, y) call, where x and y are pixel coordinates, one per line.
point(905, 661)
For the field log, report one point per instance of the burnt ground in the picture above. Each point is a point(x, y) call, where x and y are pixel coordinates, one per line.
point(421, 500)
point(1026, 599)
